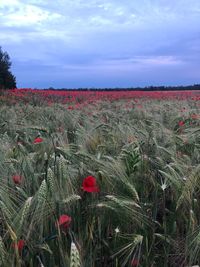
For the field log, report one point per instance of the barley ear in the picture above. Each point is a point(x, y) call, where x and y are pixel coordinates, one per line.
point(51, 180)
point(25, 211)
point(74, 257)
point(2, 252)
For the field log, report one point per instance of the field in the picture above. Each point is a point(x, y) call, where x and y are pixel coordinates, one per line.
point(99, 179)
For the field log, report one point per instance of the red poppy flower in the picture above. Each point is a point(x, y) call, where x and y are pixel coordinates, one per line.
point(181, 123)
point(134, 263)
point(38, 140)
point(17, 179)
point(64, 221)
point(70, 107)
point(19, 245)
point(89, 184)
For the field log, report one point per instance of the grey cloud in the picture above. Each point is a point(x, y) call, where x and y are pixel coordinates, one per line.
point(105, 43)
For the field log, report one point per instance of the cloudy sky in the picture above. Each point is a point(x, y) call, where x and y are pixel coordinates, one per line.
point(102, 43)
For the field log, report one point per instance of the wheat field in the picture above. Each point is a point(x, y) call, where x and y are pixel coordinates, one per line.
point(95, 181)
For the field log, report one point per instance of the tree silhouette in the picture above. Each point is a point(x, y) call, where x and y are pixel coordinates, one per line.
point(7, 79)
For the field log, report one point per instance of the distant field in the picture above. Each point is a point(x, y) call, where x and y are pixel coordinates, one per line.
point(78, 97)
point(99, 179)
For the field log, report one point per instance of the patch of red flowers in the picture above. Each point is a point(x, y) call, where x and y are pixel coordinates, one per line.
point(181, 123)
point(37, 140)
point(19, 245)
point(72, 97)
point(70, 107)
point(134, 263)
point(64, 221)
point(17, 179)
point(90, 185)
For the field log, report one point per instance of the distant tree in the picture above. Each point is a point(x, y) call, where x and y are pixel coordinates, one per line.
point(7, 79)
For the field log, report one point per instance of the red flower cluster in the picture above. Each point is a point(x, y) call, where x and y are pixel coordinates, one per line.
point(37, 140)
point(74, 97)
point(19, 245)
point(64, 221)
point(134, 263)
point(70, 107)
point(90, 185)
point(181, 123)
point(17, 179)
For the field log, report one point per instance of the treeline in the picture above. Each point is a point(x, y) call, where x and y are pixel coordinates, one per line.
point(147, 88)
point(7, 79)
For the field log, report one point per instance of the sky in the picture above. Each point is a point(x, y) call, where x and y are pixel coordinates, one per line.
point(99, 43)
